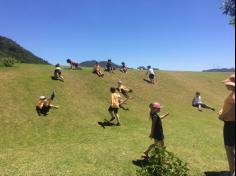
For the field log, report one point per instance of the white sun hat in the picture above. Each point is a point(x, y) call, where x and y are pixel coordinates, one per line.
point(42, 97)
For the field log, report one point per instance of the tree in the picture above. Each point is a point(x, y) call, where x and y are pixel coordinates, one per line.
point(229, 9)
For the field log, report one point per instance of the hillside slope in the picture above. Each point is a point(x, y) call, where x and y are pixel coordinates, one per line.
point(70, 142)
point(9, 48)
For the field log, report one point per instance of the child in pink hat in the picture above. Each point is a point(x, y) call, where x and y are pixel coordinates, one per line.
point(157, 130)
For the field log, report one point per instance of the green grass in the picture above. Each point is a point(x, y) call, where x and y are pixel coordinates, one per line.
point(69, 140)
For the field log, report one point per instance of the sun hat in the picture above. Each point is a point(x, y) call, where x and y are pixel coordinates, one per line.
point(42, 97)
point(230, 81)
point(156, 105)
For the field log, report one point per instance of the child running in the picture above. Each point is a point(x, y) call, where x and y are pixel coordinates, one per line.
point(157, 129)
point(124, 68)
point(197, 102)
point(58, 73)
point(124, 90)
point(97, 70)
point(114, 107)
point(44, 105)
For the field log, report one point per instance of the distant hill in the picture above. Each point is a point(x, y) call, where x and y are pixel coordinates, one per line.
point(9, 48)
point(220, 70)
point(93, 62)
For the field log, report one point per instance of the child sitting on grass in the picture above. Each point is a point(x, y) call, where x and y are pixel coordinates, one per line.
point(197, 102)
point(44, 105)
point(124, 90)
point(123, 68)
point(109, 67)
point(157, 130)
point(115, 105)
point(58, 73)
point(97, 70)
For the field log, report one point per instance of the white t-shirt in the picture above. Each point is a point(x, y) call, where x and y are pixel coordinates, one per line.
point(197, 100)
point(151, 71)
point(58, 68)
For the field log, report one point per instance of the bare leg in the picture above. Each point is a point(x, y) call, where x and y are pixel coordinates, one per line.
point(156, 142)
point(230, 151)
point(61, 77)
point(207, 107)
point(117, 119)
point(112, 116)
point(200, 107)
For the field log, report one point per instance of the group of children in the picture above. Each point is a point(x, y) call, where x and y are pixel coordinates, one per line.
point(109, 68)
point(96, 70)
point(157, 134)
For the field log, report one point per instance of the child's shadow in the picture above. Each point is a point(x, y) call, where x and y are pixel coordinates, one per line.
point(55, 79)
point(147, 81)
point(141, 163)
point(105, 124)
point(222, 173)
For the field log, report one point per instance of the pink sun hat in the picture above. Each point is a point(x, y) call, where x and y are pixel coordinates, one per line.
point(156, 105)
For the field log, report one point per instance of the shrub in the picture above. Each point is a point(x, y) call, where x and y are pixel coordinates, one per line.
point(163, 163)
point(8, 61)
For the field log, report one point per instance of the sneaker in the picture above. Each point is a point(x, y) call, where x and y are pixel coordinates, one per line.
point(118, 124)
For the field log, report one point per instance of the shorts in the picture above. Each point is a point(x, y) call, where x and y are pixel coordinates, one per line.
point(57, 72)
point(151, 76)
point(115, 110)
point(44, 110)
point(229, 134)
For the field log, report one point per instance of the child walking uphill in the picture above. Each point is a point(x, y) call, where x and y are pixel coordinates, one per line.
point(58, 73)
point(114, 107)
point(157, 130)
point(73, 65)
point(151, 75)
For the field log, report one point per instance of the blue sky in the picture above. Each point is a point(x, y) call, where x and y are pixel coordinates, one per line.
point(170, 35)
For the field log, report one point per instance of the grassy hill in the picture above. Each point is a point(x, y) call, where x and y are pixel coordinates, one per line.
point(9, 48)
point(70, 142)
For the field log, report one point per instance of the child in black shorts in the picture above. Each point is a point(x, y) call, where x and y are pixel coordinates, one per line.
point(58, 73)
point(44, 105)
point(157, 130)
point(115, 105)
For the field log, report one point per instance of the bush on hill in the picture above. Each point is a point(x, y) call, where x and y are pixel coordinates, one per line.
point(164, 163)
point(8, 61)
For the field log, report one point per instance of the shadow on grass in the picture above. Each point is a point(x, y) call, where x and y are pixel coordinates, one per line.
point(56, 79)
point(141, 162)
point(147, 81)
point(105, 124)
point(222, 173)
